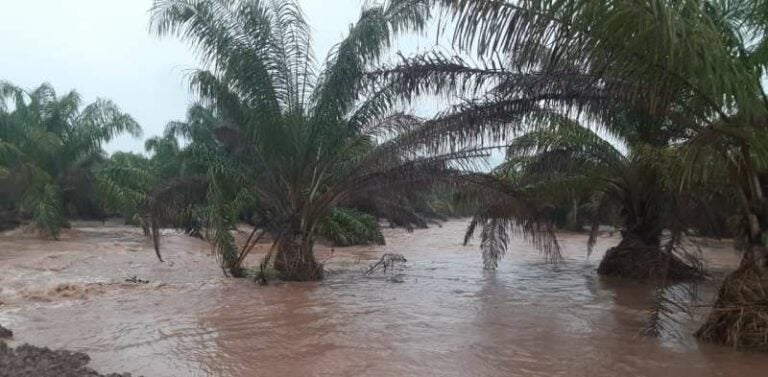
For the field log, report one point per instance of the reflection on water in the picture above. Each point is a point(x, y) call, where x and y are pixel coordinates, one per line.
point(447, 318)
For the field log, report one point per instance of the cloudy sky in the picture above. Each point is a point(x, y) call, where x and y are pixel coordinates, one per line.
point(102, 48)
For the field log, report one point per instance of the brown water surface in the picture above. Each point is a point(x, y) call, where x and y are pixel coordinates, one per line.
point(447, 317)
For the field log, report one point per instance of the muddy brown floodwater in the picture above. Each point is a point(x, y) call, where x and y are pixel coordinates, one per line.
point(447, 317)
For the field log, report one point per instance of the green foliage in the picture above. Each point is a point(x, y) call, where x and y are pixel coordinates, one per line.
point(295, 146)
point(124, 181)
point(695, 67)
point(50, 149)
point(623, 68)
point(346, 227)
point(43, 203)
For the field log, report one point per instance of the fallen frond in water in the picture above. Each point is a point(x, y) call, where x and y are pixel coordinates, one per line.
point(387, 261)
point(669, 301)
point(136, 280)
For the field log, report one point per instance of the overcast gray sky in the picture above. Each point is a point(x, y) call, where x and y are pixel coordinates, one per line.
point(102, 48)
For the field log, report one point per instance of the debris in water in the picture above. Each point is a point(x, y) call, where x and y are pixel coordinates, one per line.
point(387, 261)
point(136, 280)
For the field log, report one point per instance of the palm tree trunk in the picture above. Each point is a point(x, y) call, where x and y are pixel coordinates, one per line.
point(295, 260)
point(739, 317)
point(640, 256)
point(573, 222)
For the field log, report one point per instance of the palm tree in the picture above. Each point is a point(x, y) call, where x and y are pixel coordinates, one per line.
point(568, 159)
point(294, 145)
point(49, 147)
point(695, 63)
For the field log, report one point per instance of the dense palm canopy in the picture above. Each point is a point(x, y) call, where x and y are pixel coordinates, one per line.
point(295, 145)
point(50, 147)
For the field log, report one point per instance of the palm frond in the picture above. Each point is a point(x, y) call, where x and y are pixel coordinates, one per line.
point(346, 227)
point(339, 86)
point(669, 302)
point(642, 39)
point(44, 204)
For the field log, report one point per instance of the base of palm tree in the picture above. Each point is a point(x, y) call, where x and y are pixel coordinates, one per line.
point(739, 317)
point(634, 259)
point(311, 271)
point(295, 261)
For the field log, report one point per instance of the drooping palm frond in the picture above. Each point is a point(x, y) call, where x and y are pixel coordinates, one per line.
point(647, 40)
point(566, 146)
point(500, 100)
point(123, 182)
point(669, 303)
point(506, 209)
point(174, 203)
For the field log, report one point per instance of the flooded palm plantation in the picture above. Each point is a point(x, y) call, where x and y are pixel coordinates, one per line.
point(439, 314)
point(329, 128)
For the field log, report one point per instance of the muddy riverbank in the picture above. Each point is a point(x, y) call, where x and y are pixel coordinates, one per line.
point(30, 361)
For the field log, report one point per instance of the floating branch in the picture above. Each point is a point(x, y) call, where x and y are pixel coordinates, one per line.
point(387, 261)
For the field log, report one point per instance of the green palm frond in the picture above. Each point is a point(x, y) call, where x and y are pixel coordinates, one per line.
point(44, 205)
point(198, 128)
point(346, 227)
point(648, 40)
point(340, 82)
point(122, 184)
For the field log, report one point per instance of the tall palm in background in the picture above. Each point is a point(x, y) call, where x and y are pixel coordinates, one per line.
point(295, 144)
point(695, 63)
point(49, 148)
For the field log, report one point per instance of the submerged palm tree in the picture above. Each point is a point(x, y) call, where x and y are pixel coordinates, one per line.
point(698, 64)
point(568, 158)
point(49, 147)
point(294, 145)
